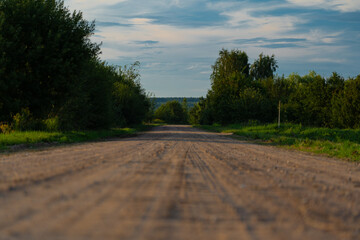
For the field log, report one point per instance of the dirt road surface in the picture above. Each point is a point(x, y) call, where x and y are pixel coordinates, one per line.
point(177, 182)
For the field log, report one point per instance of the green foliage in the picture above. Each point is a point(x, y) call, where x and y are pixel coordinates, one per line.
point(234, 95)
point(51, 77)
point(201, 113)
point(158, 121)
point(25, 120)
point(131, 104)
point(5, 128)
point(253, 105)
point(228, 64)
point(185, 108)
point(52, 124)
point(191, 101)
point(264, 67)
point(171, 112)
point(90, 104)
point(312, 100)
point(44, 49)
point(308, 103)
point(346, 105)
point(34, 137)
point(151, 110)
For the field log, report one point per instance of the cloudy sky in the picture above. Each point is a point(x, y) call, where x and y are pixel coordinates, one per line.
point(177, 41)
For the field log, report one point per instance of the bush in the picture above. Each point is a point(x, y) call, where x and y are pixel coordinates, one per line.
point(25, 121)
point(5, 128)
point(158, 121)
point(52, 124)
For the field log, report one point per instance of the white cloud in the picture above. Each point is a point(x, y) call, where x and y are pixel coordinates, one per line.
point(183, 51)
point(192, 67)
point(206, 72)
point(327, 60)
point(180, 43)
point(262, 25)
point(338, 5)
point(140, 21)
point(319, 36)
point(88, 4)
point(151, 65)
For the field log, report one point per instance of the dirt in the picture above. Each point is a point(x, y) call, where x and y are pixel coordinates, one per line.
point(177, 182)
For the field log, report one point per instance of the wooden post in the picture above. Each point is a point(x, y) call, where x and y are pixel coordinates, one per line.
point(279, 114)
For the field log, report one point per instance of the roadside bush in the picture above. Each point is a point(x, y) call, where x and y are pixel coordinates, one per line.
point(52, 124)
point(25, 121)
point(5, 128)
point(158, 121)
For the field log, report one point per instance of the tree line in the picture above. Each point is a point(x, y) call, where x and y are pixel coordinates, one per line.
point(191, 101)
point(51, 76)
point(241, 92)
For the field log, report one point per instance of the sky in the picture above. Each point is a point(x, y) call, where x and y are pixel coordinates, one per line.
point(177, 41)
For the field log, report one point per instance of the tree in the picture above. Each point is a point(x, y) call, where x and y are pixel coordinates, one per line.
point(185, 107)
point(202, 112)
point(131, 103)
point(45, 51)
point(335, 83)
point(171, 112)
point(346, 105)
point(264, 67)
point(228, 64)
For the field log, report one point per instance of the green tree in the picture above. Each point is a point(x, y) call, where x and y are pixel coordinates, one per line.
point(335, 83)
point(346, 105)
point(228, 64)
point(230, 76)
point(170, 112)
point(131, 103)
point(45, 50)
point(185, 108)
point(90, 106)
point(194, 114)
point(201, 112)
point(264, 67)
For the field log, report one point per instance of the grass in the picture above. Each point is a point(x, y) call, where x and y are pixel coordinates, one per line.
point(32, 138)
point(341, 143)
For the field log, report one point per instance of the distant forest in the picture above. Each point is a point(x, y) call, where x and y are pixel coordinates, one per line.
point(191, 101)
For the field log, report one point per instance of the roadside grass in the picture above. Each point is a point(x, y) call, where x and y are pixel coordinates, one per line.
point(341, 143)
point(33, 138)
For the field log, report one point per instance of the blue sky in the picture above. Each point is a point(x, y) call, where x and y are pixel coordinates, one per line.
point(177, 41)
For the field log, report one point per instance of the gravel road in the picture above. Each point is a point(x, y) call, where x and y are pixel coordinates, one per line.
point(177, 182)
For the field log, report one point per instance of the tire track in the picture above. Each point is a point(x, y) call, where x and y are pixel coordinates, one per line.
point(177, 182)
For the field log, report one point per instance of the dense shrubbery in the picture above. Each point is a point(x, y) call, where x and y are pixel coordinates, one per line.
point(50, 74)
point(237, 95)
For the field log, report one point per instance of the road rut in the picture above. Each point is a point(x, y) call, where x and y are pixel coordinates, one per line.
point(177, 182)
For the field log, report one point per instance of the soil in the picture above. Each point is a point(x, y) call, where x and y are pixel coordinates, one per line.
point(177, 182)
